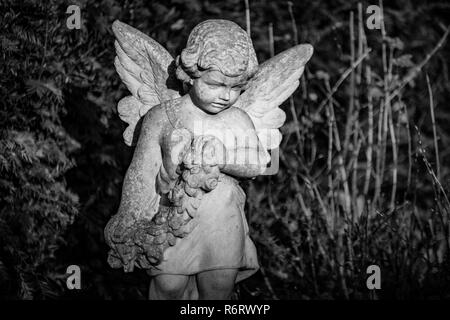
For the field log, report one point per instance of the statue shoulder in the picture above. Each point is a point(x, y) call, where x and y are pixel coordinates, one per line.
point(172, 109)
point(155, 114)
point(239, 118)
point(156, 121)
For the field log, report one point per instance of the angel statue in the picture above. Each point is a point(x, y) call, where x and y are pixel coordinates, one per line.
point(200, 123)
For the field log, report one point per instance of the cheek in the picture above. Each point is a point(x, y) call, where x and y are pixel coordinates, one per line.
point(234, 95)
point(205, 93)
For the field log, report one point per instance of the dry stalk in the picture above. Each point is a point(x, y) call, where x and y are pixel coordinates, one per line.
point(342, 78)
point(247, 17)
point(369, 134)
point(433, 123)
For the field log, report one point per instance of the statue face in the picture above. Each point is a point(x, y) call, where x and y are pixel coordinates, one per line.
point(214, 92)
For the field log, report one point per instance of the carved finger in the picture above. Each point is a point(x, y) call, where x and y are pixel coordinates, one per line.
point(179, 144)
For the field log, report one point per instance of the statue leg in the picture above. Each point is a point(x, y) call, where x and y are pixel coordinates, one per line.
point(168, 287)
point(216, 284)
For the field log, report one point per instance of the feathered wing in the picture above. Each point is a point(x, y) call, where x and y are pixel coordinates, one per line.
point(148, 71)
point(275, 80)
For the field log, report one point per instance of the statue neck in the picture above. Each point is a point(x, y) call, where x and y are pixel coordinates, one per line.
point(183, 113)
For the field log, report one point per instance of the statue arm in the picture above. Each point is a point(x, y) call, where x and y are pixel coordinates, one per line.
point(249, 158)
point(139, 195)
point(153, 170)
point(145, 181)
point(237, 166)
point(140, 200)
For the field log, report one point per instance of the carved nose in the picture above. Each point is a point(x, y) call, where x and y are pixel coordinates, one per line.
point(225, 95)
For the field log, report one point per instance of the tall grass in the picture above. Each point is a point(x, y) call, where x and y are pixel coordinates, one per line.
point(348, 194)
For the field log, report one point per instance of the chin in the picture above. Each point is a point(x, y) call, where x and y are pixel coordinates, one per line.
point(215, 110)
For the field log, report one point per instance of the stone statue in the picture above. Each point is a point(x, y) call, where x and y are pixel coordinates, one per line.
point(200, 123)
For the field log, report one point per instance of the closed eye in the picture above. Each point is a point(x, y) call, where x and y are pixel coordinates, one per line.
point(214, 84)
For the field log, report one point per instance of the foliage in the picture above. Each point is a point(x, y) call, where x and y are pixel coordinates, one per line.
point(36, 205)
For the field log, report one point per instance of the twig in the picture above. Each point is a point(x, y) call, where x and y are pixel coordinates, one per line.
point(395, 158)
point(341, 165)
point(293, 23)
point(349, 123)
point(296, 123)
point(268, 284)
point(430, 170)
point(361, 41)
point(378, 154)
point(436, 182)
point(295, 31)
point(247, 17)
point(309, 238)
point(370, 134)
point(387, 106)
point(284, 221)
point(341, 80)
point(344, 179)
point(433, 122)
point(388, 119)
point(408, 132)
point(302, 79)
point(340, 260)
point(271, 42)
point(416, 69)
point(329, 165)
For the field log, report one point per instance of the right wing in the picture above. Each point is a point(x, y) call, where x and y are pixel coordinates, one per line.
point(275, 80)
point(148, 71)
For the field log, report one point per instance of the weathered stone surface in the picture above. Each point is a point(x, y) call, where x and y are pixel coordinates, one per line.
point(181, 209)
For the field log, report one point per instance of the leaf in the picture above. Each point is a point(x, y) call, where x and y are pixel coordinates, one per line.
point(403, 61)
point(375, 92)
point(178, 25)
point(322, 75)
point(9, 45)
point(40, 87)
point(395, 43)
point(398, 106)
point(107, 159)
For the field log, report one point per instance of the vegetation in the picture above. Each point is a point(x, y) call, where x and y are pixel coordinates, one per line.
point(364, 165)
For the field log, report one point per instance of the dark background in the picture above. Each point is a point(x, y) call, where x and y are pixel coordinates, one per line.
point(316, 226)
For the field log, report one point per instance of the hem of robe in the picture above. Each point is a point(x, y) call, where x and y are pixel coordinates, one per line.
point(243, 272)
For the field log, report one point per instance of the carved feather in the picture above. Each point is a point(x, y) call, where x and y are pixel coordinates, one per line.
point(275, 81)
point(145, 67)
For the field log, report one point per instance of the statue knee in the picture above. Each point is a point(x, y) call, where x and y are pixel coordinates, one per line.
point(169, 287)
point(216, 285)
point(222, 284)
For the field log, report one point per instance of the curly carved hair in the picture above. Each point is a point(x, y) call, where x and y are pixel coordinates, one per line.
point(217, 45)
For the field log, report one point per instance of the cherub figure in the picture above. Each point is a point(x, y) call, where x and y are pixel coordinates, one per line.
point(181, 215)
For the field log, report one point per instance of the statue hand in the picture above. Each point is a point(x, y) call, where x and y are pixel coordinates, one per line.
point(175, 146)
point(206, 151)
point(180, 142)
point(214, 153)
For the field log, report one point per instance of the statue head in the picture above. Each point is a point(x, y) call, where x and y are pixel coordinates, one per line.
point(216, 64)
